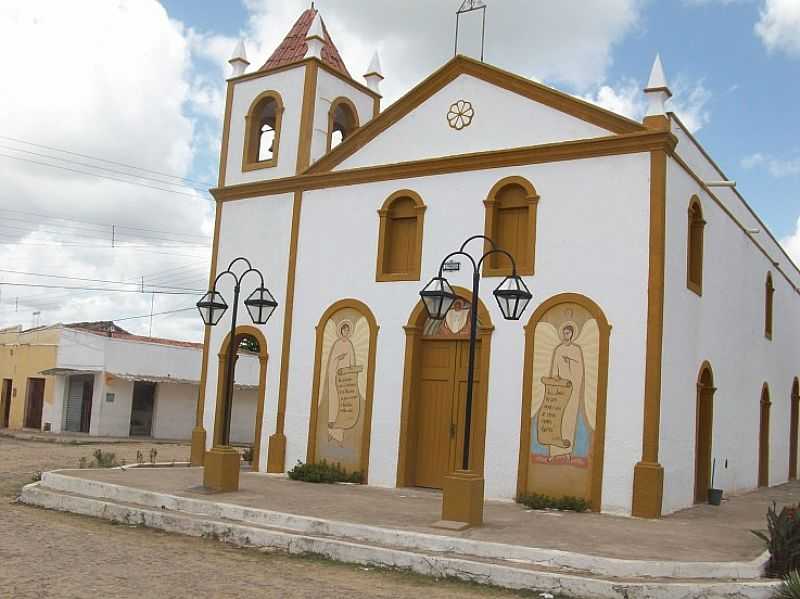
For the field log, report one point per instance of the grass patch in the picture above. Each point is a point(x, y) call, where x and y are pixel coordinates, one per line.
point(545, 502)
point(323, 472)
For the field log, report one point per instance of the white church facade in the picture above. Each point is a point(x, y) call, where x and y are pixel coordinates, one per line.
point(661, 342)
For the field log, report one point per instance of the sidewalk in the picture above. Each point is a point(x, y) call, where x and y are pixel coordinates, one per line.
point(82, 438)
point(700, 534)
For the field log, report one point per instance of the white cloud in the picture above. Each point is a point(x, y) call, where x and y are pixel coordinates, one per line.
point(689, 102)
point(792, 243)
point(777, 167)
point(779, 26)
point(107, 79)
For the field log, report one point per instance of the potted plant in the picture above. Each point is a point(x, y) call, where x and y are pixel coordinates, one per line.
point(714, 495)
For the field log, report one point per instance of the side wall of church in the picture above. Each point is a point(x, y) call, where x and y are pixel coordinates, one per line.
point(726, 328)
point(258, 229)
point(591, 239)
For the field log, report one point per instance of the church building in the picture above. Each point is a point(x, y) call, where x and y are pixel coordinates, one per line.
point(660, 350)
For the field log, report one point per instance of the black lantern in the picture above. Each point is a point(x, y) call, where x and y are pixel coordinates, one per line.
point(260, 305)
point(212, 306)
point(438, 297)
point(513, 296)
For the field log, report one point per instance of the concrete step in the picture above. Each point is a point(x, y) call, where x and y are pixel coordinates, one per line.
point(502, 571)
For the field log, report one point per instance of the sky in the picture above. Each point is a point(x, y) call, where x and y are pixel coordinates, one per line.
point(111, 115)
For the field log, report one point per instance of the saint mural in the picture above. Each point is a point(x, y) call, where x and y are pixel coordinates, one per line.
point(455, 324)
point(564, 392)
point(342, 388)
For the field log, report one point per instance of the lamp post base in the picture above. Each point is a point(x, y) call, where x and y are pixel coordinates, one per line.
point(198, 454)
point(221, 470)
point(276, 456)
point(462, 498)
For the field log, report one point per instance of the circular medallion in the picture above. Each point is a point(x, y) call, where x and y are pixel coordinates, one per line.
point(460, 115)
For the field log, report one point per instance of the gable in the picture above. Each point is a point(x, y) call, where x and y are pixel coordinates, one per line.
point(507, 111)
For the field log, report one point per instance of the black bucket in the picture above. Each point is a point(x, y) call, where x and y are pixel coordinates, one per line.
point(714, 496)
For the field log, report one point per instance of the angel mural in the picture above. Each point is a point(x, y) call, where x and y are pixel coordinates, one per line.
point(564, 399)
point(343, 382)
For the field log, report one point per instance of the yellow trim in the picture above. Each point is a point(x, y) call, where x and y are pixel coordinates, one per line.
point(332, 115)
point(648, 477)
point(632, 143)
point(306, 135)
point(277, 457)
point(383, 216)
point(226, 132)
point(413, 331)
point(263, 357)
point(526, 262)
point(461, 65)
point(602, 390)
point(250, 139)
point(364, 310)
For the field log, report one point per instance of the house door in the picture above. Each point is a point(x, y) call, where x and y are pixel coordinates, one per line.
point(5, 398)
point(34, 402)
point(705, 426)
point(79, 404)
point(142, 409)
point(763, 440)
point(441, 403)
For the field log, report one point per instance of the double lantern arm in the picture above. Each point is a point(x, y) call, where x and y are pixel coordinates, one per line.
point(260, 304)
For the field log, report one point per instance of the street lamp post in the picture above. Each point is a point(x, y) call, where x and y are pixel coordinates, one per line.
point(462, 499)
point(221, 471)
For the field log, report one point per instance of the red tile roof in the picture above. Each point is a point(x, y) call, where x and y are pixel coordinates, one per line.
point(293, 48)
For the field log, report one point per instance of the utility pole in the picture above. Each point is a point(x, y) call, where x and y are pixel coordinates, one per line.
point(152, 302)
point(113, 234)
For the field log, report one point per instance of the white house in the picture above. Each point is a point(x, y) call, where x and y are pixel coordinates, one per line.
point(663, 332)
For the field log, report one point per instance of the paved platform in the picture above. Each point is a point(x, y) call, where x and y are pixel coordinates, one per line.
point(703, 533)
point(83, 438)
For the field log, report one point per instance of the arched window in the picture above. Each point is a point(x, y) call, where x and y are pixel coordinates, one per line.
point(342, 121)
point(694, 249)
point(511, 224)
point(400, 237)
point(769, 292)
point(262, 132)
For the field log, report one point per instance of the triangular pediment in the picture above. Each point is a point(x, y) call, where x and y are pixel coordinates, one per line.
point(467, 107)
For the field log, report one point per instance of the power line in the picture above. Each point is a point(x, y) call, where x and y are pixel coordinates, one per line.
point(138, 168)
point(136, 248)
point(98, 224)
point(101, 168)
point(73, 170)
point(154, 314)
point(87, 280)
point(111, 237)
point(147, 291)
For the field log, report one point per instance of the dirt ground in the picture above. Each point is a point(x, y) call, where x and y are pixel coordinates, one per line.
point(47, 554)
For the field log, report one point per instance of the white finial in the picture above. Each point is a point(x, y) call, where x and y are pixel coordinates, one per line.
point(239, 60)
point(657, 90)
point(374, 74)
point(315, 39)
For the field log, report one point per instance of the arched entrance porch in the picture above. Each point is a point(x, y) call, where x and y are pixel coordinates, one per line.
point(434, 392)
point(251, 336)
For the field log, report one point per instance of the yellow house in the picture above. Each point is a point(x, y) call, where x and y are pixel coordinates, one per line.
point(25, 391)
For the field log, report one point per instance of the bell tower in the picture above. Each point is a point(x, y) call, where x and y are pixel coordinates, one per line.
point(297, 107)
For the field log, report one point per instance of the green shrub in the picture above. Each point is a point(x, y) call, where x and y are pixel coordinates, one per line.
point(323, 472)
point(782, 539)
point(247, 454)
point(544, 502)
point(790, 589)
point(104, 459)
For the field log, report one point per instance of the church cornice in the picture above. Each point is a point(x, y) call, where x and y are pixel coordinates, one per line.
point(630, 143)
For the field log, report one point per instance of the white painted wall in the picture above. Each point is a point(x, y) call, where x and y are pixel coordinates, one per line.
point(113, 418)
point(502, 120)
point(174, 411)
point(583, 246)
point(289, 84)
point(243, 416)
point(726, 327)
point(258, 229)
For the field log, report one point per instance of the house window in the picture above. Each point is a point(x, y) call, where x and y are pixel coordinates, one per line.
point(342, 121)
point(400, 237)
point(694, 251)
point(769, 292)
point(262, 132)
point(511, 224)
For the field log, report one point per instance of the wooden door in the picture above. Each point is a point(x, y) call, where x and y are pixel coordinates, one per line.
point(763, 441)
point(434, 427)
point(705, 423)
point(34, 403)
point(6, 399)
